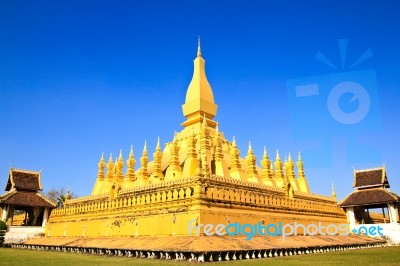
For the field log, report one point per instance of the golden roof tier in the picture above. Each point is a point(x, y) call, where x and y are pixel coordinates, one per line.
point(199, 101)
point(200, 140)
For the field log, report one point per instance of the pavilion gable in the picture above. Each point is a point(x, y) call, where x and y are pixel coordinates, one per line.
point(375, 177)
point(23, 180)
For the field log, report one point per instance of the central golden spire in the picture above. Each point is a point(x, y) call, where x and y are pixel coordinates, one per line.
point(198, 47)
point(199, 96)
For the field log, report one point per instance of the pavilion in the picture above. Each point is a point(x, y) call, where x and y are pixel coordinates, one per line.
point(23, 207)
point(371, 191)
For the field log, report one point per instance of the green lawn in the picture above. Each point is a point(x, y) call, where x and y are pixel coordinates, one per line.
point(374, 256)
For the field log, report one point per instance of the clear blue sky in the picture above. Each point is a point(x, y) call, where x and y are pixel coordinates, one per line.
point(78, 78)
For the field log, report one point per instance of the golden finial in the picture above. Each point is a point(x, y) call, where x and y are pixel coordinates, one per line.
point(234, 141)
point(265, 152)
point(278, 158)
point(101, 163)
point(289, 158)
point(131, 153)
point(158, 148)
point(250, 148)
point(145, 147)
point(198, 46)
point(110, 160)
point(67, 195)
point(299, 158)
point(333, 191)
point(120, 155)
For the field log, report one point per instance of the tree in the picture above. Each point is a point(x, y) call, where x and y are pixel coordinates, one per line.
point(3, 228)
point(58, 196)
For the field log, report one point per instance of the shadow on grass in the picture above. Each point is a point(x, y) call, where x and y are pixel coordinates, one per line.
point(374, 256)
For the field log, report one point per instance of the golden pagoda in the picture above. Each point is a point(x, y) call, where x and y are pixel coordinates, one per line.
point(199, 175)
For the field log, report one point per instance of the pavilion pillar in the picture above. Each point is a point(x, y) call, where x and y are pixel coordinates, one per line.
point(392, 213)
point(350, 216)
point(45, 216)
point(5, 213)
point(11, 210)
point(396, 212)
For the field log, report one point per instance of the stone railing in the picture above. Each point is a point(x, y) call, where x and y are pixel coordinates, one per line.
point(314, 196)
point(161, 185)
point(220, 189)
point(268, 200)
point(243, 183)
point(88, 198)
point(126, 201)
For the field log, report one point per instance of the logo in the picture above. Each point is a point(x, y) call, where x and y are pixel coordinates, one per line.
point(369, 231)
point(343, 104)
point(272, 229)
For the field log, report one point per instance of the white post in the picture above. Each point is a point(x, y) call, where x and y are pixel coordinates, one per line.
point(350, 216)
point(392, 213)
point(45, 216)
point(4, 214)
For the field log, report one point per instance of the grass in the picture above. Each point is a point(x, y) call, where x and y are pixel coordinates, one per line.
point(375, 256)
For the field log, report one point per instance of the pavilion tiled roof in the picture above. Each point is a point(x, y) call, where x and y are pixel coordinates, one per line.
point(26, 198)
point(370, 178)
point(23, 180)
point(372, 196)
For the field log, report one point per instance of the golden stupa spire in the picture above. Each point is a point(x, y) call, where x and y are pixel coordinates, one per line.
point(174, 150)
point(303, 184)
point(110, 169)
point(218, 154)
point(158, 147)
point(204, 132)
point(119, 168)
point(130, 171)
point(174, 170)
point(145, 148)
point(290, 168)
point(265, 165)
point(191, 150)
point(300, 167)
point(143, 176)
point(278, 167)
point(101, 165)
point(157, 174)
point(235, 171)
point(290, 174)
point(333, 192)
point(251, 163)
point(198, 47)
point(199, 100)
point(271, 170)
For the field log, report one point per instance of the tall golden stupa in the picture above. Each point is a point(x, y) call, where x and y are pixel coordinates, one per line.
point(198, 176)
